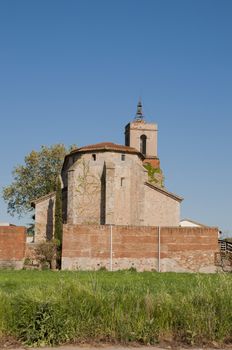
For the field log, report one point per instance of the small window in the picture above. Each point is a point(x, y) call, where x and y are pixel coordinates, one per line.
point(123, 157)
point(94, 157)
point(122, 181)
point(143, 144)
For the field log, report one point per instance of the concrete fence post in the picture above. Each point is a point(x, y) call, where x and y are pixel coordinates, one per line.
point(111, 248)
point(159, 232)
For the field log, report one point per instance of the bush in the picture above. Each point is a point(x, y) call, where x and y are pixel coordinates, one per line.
point(46, 254)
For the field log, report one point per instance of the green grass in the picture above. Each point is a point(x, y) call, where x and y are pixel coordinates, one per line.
point(48, 308)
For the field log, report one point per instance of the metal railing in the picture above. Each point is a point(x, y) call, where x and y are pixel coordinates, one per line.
point(225, 246)
point(223, 258)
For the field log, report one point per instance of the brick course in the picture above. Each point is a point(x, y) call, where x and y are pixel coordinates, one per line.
point(12, 246)
point(87, 247)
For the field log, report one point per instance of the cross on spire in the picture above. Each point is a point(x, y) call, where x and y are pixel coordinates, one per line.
point(139, 113)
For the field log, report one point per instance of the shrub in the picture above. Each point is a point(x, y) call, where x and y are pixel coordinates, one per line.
point(46, 254)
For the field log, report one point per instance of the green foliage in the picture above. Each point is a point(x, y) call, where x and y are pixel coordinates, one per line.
point(58, 232)
point(37, 177)
point(48, 308)
point(155, 175)
point(46, 254)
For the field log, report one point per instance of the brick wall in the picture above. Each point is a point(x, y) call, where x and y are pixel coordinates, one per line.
point(189, 249)
point(12, 246)
point(182, 249)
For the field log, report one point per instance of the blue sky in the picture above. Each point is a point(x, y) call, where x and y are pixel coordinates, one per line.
point(72, 72)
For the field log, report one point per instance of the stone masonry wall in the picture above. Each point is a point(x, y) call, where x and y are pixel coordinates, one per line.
point(12, 246)
point(164, 209)
point(138, 128)
point(107, 190)
point(88, 247)
point(44, 218)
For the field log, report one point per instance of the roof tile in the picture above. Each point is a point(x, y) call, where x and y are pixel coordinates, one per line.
point(106, 146)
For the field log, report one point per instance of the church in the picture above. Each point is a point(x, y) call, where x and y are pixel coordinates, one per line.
point(112, 184)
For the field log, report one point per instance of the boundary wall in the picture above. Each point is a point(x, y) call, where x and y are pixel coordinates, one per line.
point(12, 246)
point(145, 248)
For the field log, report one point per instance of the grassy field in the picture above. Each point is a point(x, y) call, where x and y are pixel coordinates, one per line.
point(48, 308)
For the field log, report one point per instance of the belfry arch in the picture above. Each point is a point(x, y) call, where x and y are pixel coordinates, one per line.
point(142, 136)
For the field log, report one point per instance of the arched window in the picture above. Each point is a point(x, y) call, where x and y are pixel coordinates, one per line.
point(143, 144)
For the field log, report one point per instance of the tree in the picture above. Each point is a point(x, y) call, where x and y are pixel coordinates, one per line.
point(36, 178)
point(58, 232)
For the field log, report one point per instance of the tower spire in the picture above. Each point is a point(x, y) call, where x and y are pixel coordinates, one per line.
point(139, 113)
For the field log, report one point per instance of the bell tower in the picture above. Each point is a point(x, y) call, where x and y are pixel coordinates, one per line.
point(143, 136)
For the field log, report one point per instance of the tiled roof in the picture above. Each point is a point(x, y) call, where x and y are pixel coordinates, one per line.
point(107, 146)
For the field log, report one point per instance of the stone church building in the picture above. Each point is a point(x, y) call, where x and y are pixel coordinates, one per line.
point(107, 183)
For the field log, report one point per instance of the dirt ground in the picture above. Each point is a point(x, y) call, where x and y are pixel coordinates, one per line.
point(116, 347)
